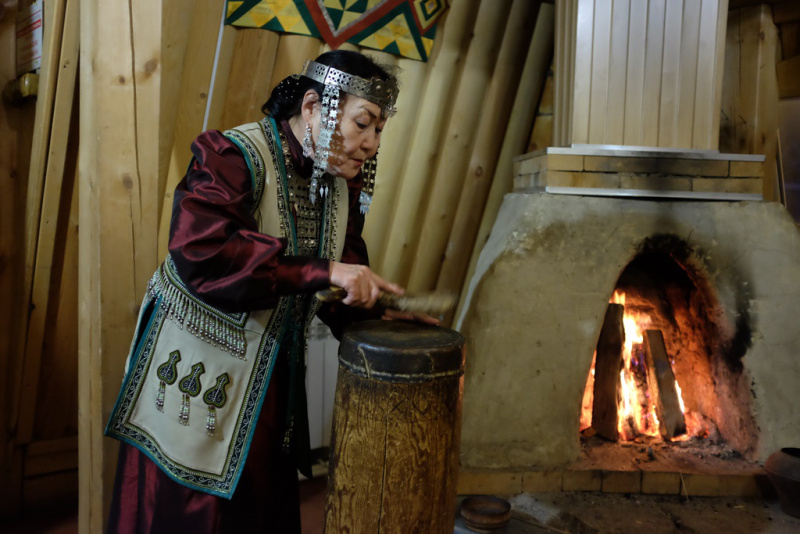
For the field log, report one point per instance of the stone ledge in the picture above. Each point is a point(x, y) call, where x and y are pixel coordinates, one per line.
point(663, 172)
point(627, 151)
point(509, 482)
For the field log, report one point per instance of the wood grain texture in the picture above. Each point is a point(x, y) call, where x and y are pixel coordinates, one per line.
point(608, 363)
point(495, 118)
point(16, 134)
point(249, 76)
point(689, 52)
point(116, 249)
point(711, 61)
point(535, 75)
point(730, 136)
point(458, 143)
point(790, 39)
point(293, 51)
point(581, 92)
point(758, 86)
point(670, 75)
point(217, 95)
point(634, 88)
point(198, 62)
point(51, 53)
point(788, 72)
point(52, 213)
point(430, 122)
point(56, 405)
point(600, 72)
point(396, 140)
point(654, 57)
point(542, 130)
point(177, 17)
point(394, 457)
point(661, 383)
point(618, 72)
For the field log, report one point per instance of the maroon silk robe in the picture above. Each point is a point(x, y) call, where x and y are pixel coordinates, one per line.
point(226, 262)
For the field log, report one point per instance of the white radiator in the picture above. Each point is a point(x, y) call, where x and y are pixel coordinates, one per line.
point(323, 363)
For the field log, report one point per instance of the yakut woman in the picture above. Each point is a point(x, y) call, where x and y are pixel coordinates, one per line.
point(212, 408)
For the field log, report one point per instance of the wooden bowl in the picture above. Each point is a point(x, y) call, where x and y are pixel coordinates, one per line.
point(485, 513)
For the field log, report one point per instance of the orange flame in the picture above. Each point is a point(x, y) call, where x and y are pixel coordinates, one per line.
point(636, 413)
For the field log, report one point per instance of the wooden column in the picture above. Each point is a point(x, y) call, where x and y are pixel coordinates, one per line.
point(534, 73)
point(750, 98)
point(440, 86)
point(118, 166)
point(494, 119)
point(640, 72)
point(458, 142)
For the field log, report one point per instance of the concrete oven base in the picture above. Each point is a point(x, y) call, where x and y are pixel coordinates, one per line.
point(536, 303)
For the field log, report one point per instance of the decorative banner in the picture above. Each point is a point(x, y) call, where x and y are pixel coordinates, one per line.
point(401, 27)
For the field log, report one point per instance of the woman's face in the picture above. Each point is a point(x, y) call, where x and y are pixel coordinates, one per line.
point(357, 135)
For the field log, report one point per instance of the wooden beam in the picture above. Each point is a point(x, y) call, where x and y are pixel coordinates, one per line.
point(661, 383)
point(177, 18)
point(118, 164)
point(542, 131)
point(789, 78)
point(51, 50)
point(198, 63)
point(16, 134)
point(495, 118)
point(430, 119)
point(786, 11)
point(529, 93)
point(454, 154)
point(396, 138)
point(219, 83)
point(759, 88)
point(49, 218)
point(250, 73)
point(51, 456)
point(608, 362)
point(790, 39)
point(293, 51)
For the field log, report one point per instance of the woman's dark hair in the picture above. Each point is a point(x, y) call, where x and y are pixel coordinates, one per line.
point(287, 97)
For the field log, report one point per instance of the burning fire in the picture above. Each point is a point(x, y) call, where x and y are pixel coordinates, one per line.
point(636, 411)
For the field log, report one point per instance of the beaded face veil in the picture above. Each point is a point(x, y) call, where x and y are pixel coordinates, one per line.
point(380, 92)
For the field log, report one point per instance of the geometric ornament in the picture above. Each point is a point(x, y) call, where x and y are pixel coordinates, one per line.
point(401, 27)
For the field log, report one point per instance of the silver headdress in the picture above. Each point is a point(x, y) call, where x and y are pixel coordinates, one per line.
point(380, 92)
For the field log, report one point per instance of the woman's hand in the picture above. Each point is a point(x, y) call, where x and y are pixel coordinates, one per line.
point(362, 285)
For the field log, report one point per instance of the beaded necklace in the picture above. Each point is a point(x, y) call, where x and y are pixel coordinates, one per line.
point(307, 214)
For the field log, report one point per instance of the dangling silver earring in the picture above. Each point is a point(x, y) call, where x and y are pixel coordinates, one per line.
point(368, 183)
point(327, 125)
point(308, 149)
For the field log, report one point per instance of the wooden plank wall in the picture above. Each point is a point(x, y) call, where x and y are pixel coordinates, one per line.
point(444, 167)
point(749, 104)
point(119, 203)
point(42, 361)
point(16, 135)
point(212, 85)
point(645, 72)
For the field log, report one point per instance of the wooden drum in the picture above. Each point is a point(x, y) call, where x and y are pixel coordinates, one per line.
point(396, 430)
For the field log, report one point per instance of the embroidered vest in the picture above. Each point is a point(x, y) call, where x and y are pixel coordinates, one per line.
point(196, 376)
